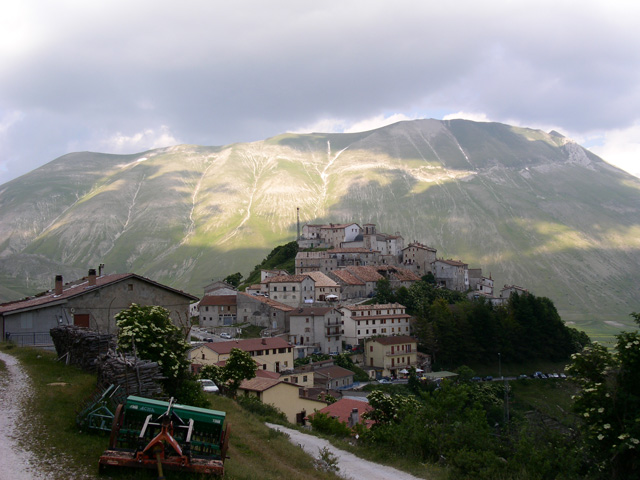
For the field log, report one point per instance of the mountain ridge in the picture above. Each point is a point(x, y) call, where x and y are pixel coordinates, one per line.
point(533, 208)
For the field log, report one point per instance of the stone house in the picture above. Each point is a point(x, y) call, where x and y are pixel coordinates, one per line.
point(315, 262)
point(218, 310)
point(367, 274)
point(315, 329)
point(355, 256)
point(292, 290)
point(418, 258)
point(90, 302)
point(389, 355)
point(333, 377)
point(273, 354)
point(507, 290)
point(350, 285)
point(451, 274)
point(263, 312)
point(364, 321)
point(219, 288)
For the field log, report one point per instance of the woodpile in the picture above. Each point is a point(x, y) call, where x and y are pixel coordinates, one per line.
point(80, 346)
point(93, 352)
point(133, 375)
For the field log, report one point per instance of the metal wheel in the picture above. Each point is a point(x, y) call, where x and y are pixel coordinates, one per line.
point(118, 418)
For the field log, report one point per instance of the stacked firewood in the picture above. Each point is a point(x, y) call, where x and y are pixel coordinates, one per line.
point(133, 375)
point(80, 346)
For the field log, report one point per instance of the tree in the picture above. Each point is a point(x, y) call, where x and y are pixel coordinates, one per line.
point(149, 332)
point(384, 293)
point(234, 279)
point(609, 405)
point(238, 367)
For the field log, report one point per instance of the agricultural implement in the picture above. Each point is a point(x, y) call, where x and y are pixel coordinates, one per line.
point(150, 433)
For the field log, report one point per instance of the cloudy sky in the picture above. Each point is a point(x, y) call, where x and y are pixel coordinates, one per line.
point(125, 76)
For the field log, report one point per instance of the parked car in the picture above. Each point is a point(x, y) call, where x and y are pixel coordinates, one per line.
point(488, 378)
point(562, 375)
point(384, 380)
point(476, 379)
point(542, 375)
point(208, 339)
point(225, 335)
point(208, 385)
point(523, 376)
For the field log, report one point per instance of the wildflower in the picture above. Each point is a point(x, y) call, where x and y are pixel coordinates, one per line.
point(601, 410)
point(634, 440)
point(607, 426)
point(600, 437)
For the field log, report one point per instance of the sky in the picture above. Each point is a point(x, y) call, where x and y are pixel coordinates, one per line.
point(118, 76)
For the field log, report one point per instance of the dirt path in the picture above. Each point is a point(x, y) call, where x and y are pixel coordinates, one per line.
point(15, 462)
point(351, 467)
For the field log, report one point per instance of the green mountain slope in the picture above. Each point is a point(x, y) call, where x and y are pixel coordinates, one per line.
point(531, 208)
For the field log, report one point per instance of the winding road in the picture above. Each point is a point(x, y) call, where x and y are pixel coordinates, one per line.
point(350, 466)
point(16, 463)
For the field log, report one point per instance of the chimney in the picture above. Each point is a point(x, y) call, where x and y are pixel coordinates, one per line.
point(100, 269)
point(92, 277)
point(264, 341)
point(353, 418)
point(58, 287)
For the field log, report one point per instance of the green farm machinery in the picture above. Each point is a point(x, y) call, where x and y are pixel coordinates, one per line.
point(149, 433)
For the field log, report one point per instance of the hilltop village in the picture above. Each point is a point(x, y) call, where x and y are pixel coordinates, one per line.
point(323, 308)
point(337, 268)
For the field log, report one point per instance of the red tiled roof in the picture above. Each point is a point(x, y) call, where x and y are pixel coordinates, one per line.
point(321, 280)
point(352, 250)
point(338, 225)
point(334, 372)
point(395, 340)
point(347, 277)
point(453, 263)
point(286, 279)
point(342, 410)
point(78, 288)
point(421, 246)
point(248, 345)
point(377, 306)
point(268, 301)
point(311, 311)
point(260, 384)
point(209, 300)
point(365, 273)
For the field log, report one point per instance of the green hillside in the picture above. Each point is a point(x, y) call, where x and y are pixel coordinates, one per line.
point(528, 207)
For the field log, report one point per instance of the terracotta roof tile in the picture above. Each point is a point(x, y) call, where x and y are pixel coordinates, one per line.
point(395, 340)
point(248, 345)
point(321, 279)
point(209, 300)
point(78, 288)
point(347, 277)
point(342, 410)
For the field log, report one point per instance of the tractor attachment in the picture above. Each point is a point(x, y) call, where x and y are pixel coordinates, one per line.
point(150, 433)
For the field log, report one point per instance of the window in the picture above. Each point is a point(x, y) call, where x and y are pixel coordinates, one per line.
point(275, 289)
point(293, 289)
point(203, 357)
point(130, 287)
point(304, 379)
point(284, 289)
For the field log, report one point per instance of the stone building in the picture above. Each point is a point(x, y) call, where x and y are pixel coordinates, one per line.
point(90, 302)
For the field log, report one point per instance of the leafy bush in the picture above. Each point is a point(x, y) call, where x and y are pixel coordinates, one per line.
point(332, 426)
point(266, 412)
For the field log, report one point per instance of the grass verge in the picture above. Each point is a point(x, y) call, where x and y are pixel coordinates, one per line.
point(255, 451)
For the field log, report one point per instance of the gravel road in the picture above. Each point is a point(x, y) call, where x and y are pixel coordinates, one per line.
point(15, 462)
point(351, 467)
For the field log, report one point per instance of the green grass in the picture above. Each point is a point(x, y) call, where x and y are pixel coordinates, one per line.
point(255, 451)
